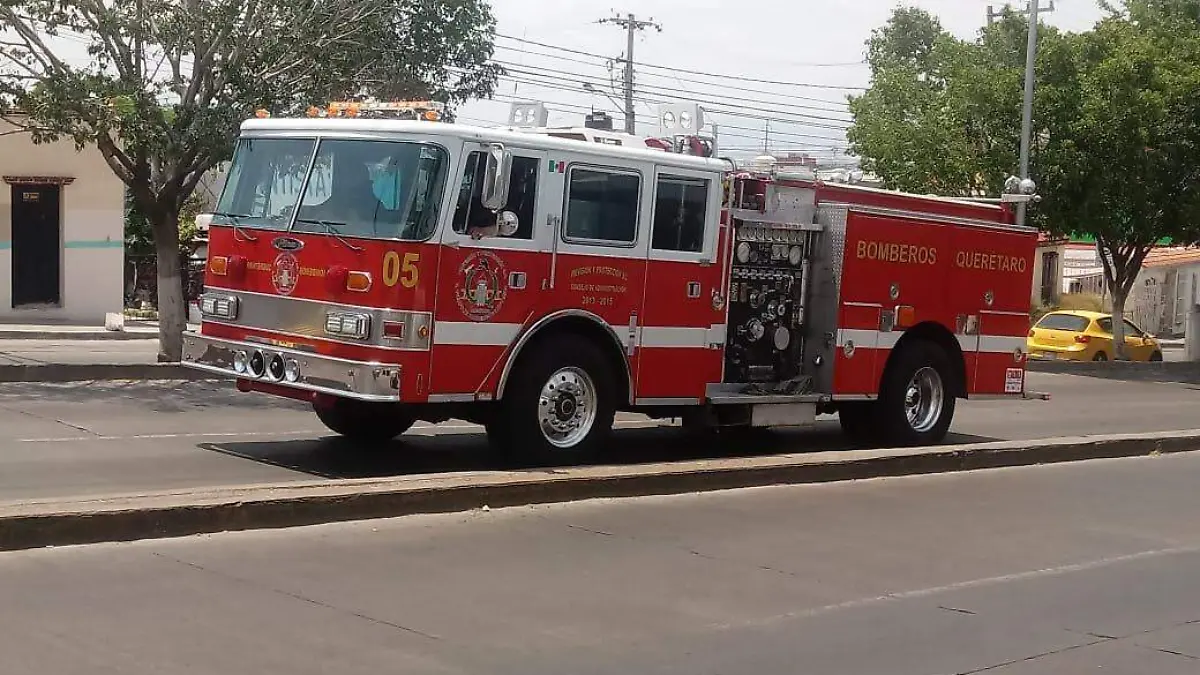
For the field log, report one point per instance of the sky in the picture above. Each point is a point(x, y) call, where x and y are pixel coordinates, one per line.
point(810, 53)
point(788, 41)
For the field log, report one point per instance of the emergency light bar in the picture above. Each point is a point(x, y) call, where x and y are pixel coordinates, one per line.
point(430, 111)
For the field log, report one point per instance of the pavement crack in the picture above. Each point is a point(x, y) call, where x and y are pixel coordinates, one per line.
point(1032, 657)
point(297, 596)
point(957, 610)
point(52, 419)
point(1172, 652)
point(589, 530)
point(685, 549)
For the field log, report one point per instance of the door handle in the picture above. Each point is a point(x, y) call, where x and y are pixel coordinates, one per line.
point(693, 289)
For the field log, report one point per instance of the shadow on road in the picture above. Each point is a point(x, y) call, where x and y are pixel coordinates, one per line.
point(336, 458)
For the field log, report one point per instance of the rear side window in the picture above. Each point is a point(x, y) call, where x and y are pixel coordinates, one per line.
point(1068, 322)
point(679, 212)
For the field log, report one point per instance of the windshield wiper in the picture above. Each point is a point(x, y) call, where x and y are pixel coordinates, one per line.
point(237, 227)
point(331, 228)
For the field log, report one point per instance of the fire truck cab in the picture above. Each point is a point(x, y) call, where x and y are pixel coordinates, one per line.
point(390, 271)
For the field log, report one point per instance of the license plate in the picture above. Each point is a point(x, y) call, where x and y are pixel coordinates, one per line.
point(1014, 381)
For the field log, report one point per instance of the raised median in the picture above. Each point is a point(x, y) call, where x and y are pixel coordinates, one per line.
point(57, 522)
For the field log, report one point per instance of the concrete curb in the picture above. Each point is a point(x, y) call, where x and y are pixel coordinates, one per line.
point(122, 518)
point(83, 372)
point(89, 336)
point(1162, 371)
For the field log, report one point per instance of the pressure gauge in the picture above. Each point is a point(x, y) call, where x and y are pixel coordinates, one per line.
point(783, 338)
point(743, 252)
point(756, 330)
point(795, 255)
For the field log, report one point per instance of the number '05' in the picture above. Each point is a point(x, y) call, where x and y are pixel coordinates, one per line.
point(404, 271)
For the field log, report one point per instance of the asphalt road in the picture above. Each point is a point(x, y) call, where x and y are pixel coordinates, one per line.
point(1064, 569)
point(68, 440)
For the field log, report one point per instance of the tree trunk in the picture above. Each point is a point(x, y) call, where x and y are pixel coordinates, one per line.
point(1118, 324)
point(172, 314)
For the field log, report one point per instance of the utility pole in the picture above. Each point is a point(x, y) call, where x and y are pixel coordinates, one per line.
point(1033, 11)
point(632, 25)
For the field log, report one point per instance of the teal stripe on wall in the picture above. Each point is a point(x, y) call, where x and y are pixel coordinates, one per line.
point(99, 243)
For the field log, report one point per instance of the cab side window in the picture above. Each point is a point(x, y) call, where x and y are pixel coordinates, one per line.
point(522, 195)
point(680, 207)
point(602, 206)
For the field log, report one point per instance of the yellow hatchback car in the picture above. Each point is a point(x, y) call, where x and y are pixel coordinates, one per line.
point(1076, 335)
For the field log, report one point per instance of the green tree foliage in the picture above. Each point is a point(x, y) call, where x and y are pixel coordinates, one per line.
point(1116, 147)
point(165, 84)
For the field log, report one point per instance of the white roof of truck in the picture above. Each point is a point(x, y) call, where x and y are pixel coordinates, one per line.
point(430, 130)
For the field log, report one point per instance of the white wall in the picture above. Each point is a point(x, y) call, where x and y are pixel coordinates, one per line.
point(93, 225)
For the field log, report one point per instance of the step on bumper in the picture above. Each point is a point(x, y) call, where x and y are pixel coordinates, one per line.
point(294, 368)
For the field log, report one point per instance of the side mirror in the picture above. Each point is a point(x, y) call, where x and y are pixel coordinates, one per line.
point(495, 180)
point(507, 223)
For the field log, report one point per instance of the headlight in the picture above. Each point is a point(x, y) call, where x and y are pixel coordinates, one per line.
point(219, 306)
point(348, 324)
point(240, 359)
point(291, 370)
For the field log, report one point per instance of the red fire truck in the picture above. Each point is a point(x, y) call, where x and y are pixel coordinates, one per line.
point(389, 271)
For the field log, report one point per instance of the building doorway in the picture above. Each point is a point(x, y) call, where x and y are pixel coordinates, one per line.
point(36, 245)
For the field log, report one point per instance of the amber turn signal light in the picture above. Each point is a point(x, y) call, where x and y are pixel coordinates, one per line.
point(358, 281)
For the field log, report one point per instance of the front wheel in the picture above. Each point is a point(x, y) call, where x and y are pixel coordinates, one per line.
point(1156, 357)
point(560, 405)
point(916, 402)
point(363, 421)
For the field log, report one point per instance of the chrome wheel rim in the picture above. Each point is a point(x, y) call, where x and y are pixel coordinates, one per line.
point(567, 407)
point(923, 399)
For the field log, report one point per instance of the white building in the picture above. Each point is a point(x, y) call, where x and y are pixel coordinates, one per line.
point(62, 232)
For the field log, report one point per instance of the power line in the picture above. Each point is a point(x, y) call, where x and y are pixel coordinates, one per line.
point(559, 107)
point(738, 110)
point(674, 77)
point(523, 68)
point(687, 71)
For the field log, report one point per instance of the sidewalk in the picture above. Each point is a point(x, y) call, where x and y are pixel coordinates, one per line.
point(134, 330)
point(73, 353)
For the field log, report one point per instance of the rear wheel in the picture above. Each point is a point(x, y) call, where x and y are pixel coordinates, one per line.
point(361, 420)
point(560, 405)
point(1100, 356)
point(1156, 357)
point(916, 403)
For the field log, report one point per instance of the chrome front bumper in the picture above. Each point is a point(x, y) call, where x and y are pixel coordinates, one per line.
point(316, 373)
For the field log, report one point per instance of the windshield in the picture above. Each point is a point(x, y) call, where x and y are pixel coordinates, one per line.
point(357, 188)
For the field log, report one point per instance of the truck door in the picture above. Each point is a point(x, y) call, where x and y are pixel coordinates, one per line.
point(488, 284)
point(682, 329)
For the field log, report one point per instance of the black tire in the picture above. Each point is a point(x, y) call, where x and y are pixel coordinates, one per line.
point(363, 421)
point(858, 422)
point(517, 431)
point(891, 413)
point(1100, 356)
point(1156, 357)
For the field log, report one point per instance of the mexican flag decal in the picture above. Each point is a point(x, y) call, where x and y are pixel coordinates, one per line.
point(557, 167)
